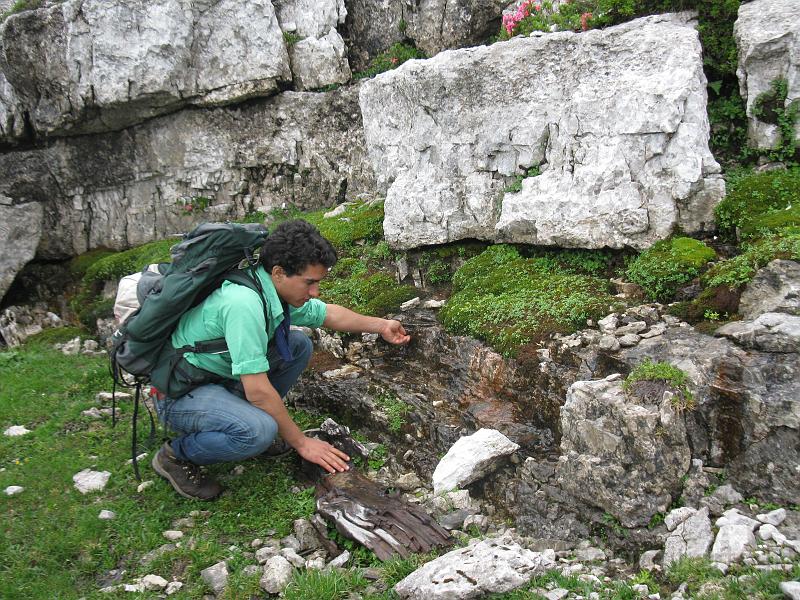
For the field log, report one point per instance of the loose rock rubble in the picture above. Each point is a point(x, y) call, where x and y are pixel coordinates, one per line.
point(90, 481)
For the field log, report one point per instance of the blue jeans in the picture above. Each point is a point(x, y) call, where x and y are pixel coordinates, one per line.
point(215, 425)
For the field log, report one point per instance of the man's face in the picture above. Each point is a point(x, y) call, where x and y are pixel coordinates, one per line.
point(298, 289)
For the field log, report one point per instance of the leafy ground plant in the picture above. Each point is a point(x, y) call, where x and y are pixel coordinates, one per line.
point(669, 264)
point(391, 59)
point(759, 204)
point(740, 269)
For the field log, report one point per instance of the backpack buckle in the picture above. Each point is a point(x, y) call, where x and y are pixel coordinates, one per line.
point(250, 260)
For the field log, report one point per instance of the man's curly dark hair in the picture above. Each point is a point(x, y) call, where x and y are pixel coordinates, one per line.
point(294, 245)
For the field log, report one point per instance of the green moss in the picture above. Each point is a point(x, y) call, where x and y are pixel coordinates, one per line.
point(760, 203)
point(391, 59)
point(352, 285)
point(740, 269)
point(666, 373)
point(119, 264)
point(360, 223)
point(509, 301)
point(80, 264)
point(394, 408)
point(667, 265)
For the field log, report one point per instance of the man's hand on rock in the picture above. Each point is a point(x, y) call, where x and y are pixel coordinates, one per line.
point(394, 333)
point(323, 454)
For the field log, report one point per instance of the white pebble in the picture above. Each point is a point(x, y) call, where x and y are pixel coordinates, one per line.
point(106, 515)
point(144, 485)
point(13, 490)
point(16, 431)
point(173, 535)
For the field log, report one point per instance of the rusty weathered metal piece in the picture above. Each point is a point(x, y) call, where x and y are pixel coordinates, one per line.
point(384, 523)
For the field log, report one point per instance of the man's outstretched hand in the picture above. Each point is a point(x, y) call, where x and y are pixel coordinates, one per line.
point(394, 333)
point(323, 454)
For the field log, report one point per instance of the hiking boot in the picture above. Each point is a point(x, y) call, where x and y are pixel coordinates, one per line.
point(187, 478)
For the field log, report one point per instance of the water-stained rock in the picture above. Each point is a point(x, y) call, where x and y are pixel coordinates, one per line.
point(446, 137)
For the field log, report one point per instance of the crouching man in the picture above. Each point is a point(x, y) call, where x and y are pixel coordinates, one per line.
point(245, 417)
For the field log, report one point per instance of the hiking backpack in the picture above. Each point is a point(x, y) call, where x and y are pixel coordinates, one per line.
point(208, 255)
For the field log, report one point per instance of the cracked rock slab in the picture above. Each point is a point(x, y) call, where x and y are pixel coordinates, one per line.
point(732, 542)
point(621, 144)
point(494, 565)
point(769, 332)
point(691, 538)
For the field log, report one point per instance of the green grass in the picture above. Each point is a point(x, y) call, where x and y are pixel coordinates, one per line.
point(509, 301)
point(328, 585)
point(395, 56)
point(55, 546)
point(667, 265)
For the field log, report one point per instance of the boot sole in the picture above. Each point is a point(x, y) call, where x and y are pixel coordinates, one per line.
point(161, 471)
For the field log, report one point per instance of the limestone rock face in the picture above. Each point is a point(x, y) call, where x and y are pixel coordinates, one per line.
point(767, 34)
point(775, 288)
point(126, 188)
point(621, 453)
point(91, 65)
point(372, 26)
point(470, 458)
point(619, 133)
point(493, 565)
point(20, 232)
point(318, 58)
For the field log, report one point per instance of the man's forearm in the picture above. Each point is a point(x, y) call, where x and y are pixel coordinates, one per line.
point(344, 319)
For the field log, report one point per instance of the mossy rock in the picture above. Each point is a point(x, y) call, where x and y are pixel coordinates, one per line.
point(350, 284)
point(510, 301)
point(739, 270)
point(119, 264)
point(760, 204)
point(669, 264)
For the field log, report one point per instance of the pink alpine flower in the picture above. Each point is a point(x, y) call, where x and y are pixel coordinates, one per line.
point(585, 20)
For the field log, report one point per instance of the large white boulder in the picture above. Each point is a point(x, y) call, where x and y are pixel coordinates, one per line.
point(615, 120)
point(98, 65)
point(767, 34)
point(470, 458)
point(493, 565)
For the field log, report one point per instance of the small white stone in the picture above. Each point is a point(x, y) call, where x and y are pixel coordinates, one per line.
point(238, 470)
point(13, 490)
point(172, 535)
point(154, 582)
point(775, 517)
point(144, 485)
point(339, 561)
point(16, 431)
point(414, 302)
point(106, 515)
point(139, 458)
point(172, 587)
point(429, 304)
point(90, 481)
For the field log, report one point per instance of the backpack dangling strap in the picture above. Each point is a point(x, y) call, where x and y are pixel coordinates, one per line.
point(133, 433)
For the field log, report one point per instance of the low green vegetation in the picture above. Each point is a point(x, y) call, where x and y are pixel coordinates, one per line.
point(394, 409)
point(509, 301)
point(327, 585)
point(356, 285)
point(395, 56)
point(669, 264)
point(770, 107)
point(21, 6)
point(666, 373)
point(760, 203)
point(516, 185)
point(739, 270)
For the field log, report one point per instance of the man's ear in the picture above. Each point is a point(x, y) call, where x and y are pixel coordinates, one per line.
point(278, 271)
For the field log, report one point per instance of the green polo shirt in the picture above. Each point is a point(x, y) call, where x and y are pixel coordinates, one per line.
point(235, 312)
